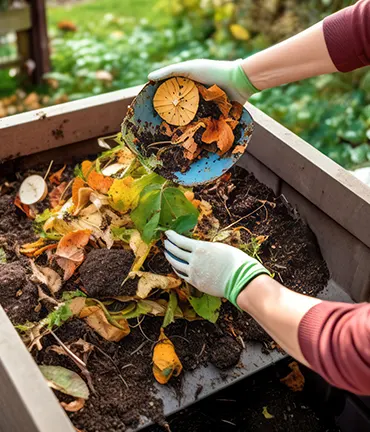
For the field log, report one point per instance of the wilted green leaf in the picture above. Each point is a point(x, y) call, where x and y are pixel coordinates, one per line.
point(2, 256)
point(66, 381)
point(161, 208)
point(122, 233)
point(206, 306)
point(69, 295)
point(171, 309)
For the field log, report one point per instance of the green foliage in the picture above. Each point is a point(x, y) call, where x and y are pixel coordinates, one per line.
point(162, 207)
point(171, 309)
point(122, 233)
point(206, 306)
point(69, 295)
point(66, 381)
point(59, 316)
point(252, 248)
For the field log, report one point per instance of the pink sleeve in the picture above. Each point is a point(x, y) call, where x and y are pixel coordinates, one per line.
point(335, 341)
point(347, 36)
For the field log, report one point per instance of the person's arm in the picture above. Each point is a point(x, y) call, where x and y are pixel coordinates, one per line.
point(341, 42)
point(331, 338)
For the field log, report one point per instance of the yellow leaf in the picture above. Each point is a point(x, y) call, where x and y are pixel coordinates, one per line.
point(123, 196)
point(239, 32)
point(140, 249)
point(149, 281)
point(97, 320)
point(165, 360)
point(266, 413)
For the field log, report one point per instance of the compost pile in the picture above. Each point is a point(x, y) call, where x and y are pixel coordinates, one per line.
point(84, 279)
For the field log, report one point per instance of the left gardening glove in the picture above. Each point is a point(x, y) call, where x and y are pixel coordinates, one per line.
point(214, 268)
point(229, 75)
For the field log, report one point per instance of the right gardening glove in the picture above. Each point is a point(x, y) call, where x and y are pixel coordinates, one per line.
point(229, 75)
point(214, 268)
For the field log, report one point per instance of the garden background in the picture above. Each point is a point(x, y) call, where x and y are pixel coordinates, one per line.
point(105, 45)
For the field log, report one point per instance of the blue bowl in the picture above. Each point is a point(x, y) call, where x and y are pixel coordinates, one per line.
point(142, 119)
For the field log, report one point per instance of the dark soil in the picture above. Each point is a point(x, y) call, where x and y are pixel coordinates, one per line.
point(121, 372)
point(104, 271)
point(239, 408)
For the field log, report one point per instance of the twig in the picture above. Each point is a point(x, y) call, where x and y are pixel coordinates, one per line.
point(48, 170)
point(139, 348)
point(65, 190)
point(113, 363)
point(158, 143)
point(128, 365)
point(202, 350)
point(241, 341)
point(146, 337)
point(181, 337)
point(228, 422)
point(244, 217)
point(77, 361)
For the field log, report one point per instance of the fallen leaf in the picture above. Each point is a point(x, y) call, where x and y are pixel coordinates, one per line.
point(266, 414)
point(65, 381)
point(218, 131)
point(176, 101)
point(30, 249)
point(83, 198)
point(56, 194)
point(29, 212)
point(218, 96)
point(96, 319)
point(239, 149)
point(73, 406)
point(3, 259)
point(149, 281)
point(165, 360)
point(206, 306)
point(46, 276)
point(171, 309)
point(95, 180)
point(140, 249)
point(78, 183)
point(236, 110)
point(70, 251)
point(295, 380)
point(56, 177)
point(165, 129)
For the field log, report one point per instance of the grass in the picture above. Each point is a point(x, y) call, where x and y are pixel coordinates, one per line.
point(90, 15)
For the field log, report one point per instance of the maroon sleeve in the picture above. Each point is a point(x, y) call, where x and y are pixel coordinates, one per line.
point(335, 341)
point(347, 36)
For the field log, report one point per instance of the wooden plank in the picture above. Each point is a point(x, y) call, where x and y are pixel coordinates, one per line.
point(26, 402)
point(24, 53)
point(346, 257)
point(322, 181)
point(39, 41)
point(14, 20)
point(69, 123)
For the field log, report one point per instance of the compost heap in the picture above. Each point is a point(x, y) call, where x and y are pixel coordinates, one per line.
point(196, 120)
point(84, 280)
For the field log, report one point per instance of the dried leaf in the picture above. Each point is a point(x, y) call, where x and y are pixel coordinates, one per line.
point(46, 276)
point(83, 198)
point(56, 177)
point(95, 180)
point(165, 360)
point(65, 381)
point(25, 208)
point(70, 251)
point(166, 129)
point(177, 101)
point(73, 406)
point(239, 149)
point(295, 380)
point(78, 183)
point(140, 249)
point(96, 319)
point(266, 414)
point(220, 132)
point(56, 194)
point(149, 281)
point(236, 110)
point(218, 96)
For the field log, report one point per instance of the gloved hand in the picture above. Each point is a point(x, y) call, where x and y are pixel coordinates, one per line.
point(228, 75)
point(214, 268)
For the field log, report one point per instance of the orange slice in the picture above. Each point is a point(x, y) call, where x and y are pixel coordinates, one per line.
point(177, 101)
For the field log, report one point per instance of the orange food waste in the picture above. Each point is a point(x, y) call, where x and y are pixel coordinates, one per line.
point(218, 96)
point(220, 132)
point(177, 101)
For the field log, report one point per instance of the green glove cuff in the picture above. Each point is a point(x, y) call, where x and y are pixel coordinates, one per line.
point(242, 82)
point(241, 278)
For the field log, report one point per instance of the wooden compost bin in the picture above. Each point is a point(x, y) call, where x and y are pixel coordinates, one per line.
point(334, 203)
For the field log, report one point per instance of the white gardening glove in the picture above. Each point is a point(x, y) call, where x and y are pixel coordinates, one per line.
point(228, 75)
point(214, 268)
